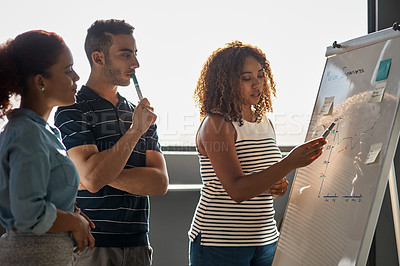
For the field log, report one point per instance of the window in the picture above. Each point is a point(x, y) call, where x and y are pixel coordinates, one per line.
point(175, 37)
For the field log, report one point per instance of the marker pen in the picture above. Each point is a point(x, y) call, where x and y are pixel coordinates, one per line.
point(139, 93)
point(328, 130)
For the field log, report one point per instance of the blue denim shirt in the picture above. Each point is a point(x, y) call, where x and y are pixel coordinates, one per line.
point(36, 175)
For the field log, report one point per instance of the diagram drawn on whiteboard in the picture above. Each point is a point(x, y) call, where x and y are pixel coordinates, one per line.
point(339, 144)
point(335, 201)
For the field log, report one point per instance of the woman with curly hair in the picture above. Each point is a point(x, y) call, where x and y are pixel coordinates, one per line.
point(38, 182)
point(241, 165)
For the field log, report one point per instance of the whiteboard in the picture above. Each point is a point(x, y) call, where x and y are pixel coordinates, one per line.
point(334, 203)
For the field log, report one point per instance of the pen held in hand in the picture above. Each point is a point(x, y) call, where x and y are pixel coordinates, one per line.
point(139, 92)
point(328, 130)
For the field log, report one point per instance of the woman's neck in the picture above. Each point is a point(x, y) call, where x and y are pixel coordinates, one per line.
point(42, 110)
point(248, 114)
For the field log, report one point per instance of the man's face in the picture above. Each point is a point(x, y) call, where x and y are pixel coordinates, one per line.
point(121, 60)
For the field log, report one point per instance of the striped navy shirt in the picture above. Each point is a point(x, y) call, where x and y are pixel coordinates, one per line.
point(224, 222)
point(121, 218)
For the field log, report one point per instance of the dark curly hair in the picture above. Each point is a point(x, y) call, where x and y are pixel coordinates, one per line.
point(218, 88)
point(98, 35)
point(29, 54)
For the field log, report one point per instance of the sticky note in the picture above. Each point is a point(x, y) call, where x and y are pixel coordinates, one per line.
point(327, 107)
point(378, 92)
point(383, 70)
point(373, 153)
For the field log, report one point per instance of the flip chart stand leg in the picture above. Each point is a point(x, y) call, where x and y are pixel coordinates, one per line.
point(394, 196)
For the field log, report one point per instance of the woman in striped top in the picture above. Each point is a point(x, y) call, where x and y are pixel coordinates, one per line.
point(241, 165)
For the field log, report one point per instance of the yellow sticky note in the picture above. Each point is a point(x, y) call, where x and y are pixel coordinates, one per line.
point(327, 108)
point(373, 153)
point(378, 92)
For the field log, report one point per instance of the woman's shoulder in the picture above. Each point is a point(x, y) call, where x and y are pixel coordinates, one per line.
point(214, 129)
point(21, 129)
point(216, 124)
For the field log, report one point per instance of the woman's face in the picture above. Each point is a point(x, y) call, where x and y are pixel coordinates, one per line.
point(60, 87)
point(251, 81)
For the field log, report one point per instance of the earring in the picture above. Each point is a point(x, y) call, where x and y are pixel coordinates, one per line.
point(42, 88)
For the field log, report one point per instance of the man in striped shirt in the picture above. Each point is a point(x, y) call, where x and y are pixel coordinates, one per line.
point(115, 148)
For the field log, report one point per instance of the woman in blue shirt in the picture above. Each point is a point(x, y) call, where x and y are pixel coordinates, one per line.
point(38, 182)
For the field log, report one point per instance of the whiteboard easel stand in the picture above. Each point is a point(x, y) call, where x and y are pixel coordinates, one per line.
point(387, 175)
point(394, 196)
point(357, 43)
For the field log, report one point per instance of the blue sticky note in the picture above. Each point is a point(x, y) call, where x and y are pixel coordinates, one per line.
point(383, 70)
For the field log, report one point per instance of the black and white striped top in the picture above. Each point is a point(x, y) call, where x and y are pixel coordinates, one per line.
point(220, 220)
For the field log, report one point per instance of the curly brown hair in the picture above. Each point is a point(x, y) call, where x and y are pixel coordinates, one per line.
point(30, 53)
point(218, 88)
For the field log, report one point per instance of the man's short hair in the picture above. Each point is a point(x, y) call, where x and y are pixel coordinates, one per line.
point(98, 35)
